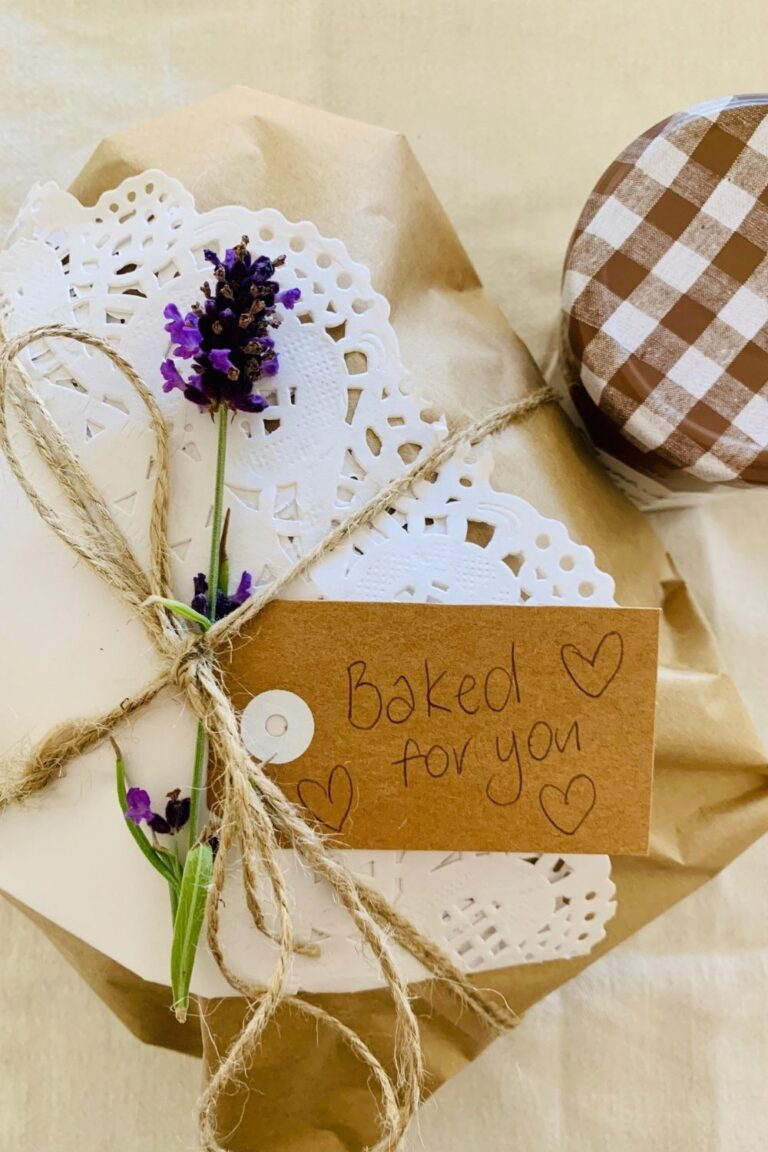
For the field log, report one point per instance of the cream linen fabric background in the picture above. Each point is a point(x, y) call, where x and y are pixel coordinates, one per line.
point(514, 107)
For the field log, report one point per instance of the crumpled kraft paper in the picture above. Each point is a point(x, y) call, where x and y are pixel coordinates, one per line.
point(305, 1091)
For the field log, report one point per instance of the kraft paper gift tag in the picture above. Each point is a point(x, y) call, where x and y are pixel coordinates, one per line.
point(363, 184)
point(456, 728)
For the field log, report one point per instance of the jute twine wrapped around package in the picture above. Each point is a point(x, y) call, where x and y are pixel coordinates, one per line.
point(364, 185)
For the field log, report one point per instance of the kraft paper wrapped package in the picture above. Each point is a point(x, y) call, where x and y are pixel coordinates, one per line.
point(304, 1089)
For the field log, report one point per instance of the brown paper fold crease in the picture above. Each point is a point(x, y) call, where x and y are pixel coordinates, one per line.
point(710, 801)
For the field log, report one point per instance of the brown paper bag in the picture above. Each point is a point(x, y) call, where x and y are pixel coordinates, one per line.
point(364, 185)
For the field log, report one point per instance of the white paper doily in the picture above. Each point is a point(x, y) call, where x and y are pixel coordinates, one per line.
point(341, 422)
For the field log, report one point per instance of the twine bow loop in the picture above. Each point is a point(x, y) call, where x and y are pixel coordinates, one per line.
point(254, 812)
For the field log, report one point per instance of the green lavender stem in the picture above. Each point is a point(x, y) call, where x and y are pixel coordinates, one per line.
point(189, 911)
point(201, 744)
point(218, 510)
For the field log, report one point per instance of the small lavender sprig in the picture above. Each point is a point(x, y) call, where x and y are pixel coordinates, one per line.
point(228, 340)
point(136, 807)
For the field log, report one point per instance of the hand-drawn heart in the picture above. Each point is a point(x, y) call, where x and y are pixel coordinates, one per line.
point(593, 674)
point(567, 810)
point(329, 806)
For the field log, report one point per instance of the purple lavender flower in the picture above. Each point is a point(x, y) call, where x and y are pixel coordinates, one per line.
point(172, 378)
point(243, 590)
point(254, 402)
point(219, 359)
point(224, 603)
point(289, 298)
point(227, 337)
point(139, 809)
point(177, 809)
point(200, 598)
point(138, 806)
point(184, 331)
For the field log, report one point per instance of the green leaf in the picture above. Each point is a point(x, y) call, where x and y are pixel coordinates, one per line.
point(223, 558)
point(179, 608)
point(224, 577)
point(188, 924)
point(157, 859)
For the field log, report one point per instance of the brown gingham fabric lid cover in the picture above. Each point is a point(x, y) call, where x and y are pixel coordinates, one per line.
point(665, 295)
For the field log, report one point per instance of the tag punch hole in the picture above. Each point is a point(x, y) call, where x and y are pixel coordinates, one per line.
point(277, 726)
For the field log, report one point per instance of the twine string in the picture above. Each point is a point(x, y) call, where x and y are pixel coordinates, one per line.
point(255, 815)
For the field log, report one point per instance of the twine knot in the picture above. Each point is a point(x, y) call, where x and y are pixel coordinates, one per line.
point(254, 813)
point(195, 655)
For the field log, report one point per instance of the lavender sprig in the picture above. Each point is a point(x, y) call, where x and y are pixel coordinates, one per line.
point(223, 358)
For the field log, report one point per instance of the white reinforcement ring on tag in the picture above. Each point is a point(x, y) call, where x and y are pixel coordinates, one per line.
point(277, 726)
